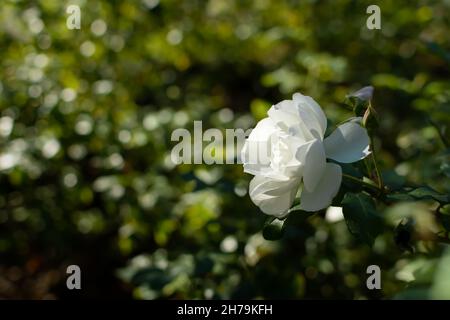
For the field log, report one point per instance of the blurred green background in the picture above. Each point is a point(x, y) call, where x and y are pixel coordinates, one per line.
point(85, 123)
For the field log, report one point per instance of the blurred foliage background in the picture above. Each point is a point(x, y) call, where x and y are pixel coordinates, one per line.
point(85, 123)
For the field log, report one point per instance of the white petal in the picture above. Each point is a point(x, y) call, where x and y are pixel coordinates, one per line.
point(309, 106)
point(255, 153)
point(263, 130)
point(325, 191)
point(348, 143)
point(312, 156)
point(287, 116)
point(273, 197)
point(284, 114)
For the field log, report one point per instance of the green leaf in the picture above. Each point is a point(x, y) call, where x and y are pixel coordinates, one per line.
point(428, 193)
point(203, 265)
point(438, 50)
point(361, 217)
point(273, 229)
point(444, 162)
point(400, 197)
point(421, 193)
point(444, 217)
point(351, 169)
point(339, 197)
point(445, 169)
point(445, 220)
point(441, 285)
point(403, 234)
point(347, 184)
point(259, 108)
point(414, 293)
point(297, 215)
point(392, 180)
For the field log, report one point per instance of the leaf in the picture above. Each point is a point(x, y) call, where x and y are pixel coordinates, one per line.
point(273, 229)
point(361, 217)
point(299, 216)
point(347, 184)
point(421, 193)
point(203, 265)
point(445, 220)
point(259, 108)
point(392, 180)
point(444, 217)
point(295, 224)
point(351, 169)
point(400, 197)
point(403, 234)
point(428, 193)
point(413, 293)
point(155, 278)
point(445, 169)
point(336, 202)
point(438, 50)
point(445, 162)
point(441, 285)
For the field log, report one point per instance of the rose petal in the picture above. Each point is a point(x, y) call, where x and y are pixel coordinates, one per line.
point(286, 115)
point(273, 197)
point(348, 143)
point(325, 191)
point(309, 106)
point(255, 153)
point(312, 156)
point(283, 155)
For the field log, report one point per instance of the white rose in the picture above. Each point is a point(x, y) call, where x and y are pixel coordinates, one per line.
point(287, 151)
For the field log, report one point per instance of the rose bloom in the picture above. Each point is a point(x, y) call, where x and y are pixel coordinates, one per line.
point(287, 153)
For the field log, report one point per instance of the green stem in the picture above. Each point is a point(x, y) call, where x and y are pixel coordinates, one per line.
point(377, 171)
point(362, 183)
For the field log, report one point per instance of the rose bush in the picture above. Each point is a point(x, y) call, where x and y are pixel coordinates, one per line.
point(287, 151)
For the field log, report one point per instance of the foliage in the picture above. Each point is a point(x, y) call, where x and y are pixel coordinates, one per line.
point(85, 172)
